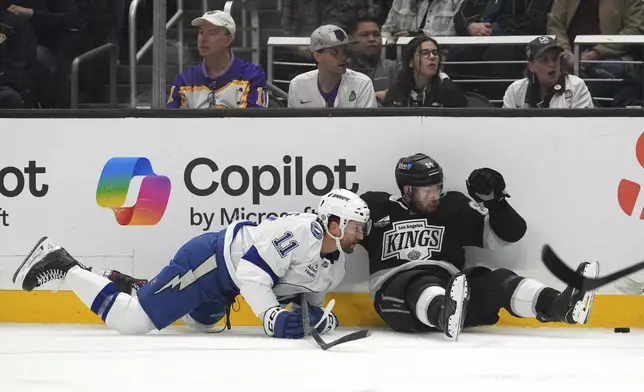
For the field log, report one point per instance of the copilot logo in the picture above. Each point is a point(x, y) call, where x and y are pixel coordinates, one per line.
point(114, 184)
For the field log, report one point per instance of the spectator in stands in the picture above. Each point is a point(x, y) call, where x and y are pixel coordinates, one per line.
point(495, 18)
point(421, 83)
point(380, 9)
point(301, 17)
point(431, 18)
point(502, 17)
point(332, 85)
point(221, 80)
point(50, 19)
point(18, 44)
point(569, 18)
point(366, 55)
point(546, 85)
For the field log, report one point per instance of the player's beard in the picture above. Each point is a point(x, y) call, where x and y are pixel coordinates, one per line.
point(348, 248)
point(425, 207)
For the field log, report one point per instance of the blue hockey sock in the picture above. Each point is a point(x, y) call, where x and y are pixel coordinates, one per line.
point(96, 292)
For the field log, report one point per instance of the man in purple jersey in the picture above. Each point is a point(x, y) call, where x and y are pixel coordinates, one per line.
point(221, 80)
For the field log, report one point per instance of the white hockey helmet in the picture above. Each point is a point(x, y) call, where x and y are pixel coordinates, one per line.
point(347, 206)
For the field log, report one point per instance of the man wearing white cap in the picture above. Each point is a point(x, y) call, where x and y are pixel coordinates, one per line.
point(221, 80)
point(332, 85)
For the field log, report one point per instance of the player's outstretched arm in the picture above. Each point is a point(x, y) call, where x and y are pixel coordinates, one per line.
point(256, 278)
point(258, 271)
point(487, 186)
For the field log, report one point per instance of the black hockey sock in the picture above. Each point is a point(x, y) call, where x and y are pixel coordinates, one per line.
point(434, 310)
point(421, 295)
point(545, 299)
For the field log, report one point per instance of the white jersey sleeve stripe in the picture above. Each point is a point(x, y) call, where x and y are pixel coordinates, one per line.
point(253, 256)
point(256, 287)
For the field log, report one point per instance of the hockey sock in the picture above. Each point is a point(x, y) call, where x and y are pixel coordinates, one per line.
point(96, 292)
point(429, 305)
point(527, 297)
point(119, 311)
point(544, 302)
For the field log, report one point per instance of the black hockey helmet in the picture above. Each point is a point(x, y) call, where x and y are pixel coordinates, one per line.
point(418, 170)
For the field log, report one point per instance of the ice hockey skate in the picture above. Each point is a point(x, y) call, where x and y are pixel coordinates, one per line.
point(46, 262)
point(573, 306)
point(452, 317)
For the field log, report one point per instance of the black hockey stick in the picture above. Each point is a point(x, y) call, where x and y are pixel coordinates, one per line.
point(316, 336)
point(569, 276)
point(363, 333)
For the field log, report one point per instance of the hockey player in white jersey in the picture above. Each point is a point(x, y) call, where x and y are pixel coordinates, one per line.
point(268, 264)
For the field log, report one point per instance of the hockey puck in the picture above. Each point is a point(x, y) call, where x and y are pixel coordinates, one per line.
point(622, 330)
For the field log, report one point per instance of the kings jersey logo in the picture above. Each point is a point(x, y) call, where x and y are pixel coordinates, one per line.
point(412, 240)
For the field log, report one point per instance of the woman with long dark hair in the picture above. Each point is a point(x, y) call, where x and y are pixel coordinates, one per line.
point(545, 84)
point(420, 82)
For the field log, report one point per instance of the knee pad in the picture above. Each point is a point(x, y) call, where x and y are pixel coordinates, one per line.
point(506, 279)
point(475, 272)
point(488, 280)
point(127, 317)
point(493, 290)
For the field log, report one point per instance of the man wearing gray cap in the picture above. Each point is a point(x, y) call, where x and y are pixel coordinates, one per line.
point(221, 80)
point(332, 85)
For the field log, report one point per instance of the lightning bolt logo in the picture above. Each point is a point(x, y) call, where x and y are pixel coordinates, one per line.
point(191, 276)
point(186, 280)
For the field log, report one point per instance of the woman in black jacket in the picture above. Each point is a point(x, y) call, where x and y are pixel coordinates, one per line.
point(420, 82)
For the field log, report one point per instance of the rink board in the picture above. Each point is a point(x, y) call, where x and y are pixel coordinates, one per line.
point(352, 309)
point(575, 180)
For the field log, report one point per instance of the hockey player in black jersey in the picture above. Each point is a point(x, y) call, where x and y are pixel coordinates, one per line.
point(416, 256)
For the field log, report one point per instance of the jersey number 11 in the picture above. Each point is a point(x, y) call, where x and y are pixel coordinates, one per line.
point(283, 245)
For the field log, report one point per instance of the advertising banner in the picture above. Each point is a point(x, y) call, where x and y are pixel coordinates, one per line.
point(127, 193)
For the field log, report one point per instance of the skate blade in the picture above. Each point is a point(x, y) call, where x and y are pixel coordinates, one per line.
point(581, 311)
point(36, 254)
point(459, 293)
point(627, 285)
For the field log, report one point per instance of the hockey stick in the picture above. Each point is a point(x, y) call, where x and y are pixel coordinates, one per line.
point(567, 275)
point(306, 319)
point(316, 336)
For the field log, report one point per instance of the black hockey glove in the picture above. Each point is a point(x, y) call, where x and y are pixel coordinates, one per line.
point(486, 185)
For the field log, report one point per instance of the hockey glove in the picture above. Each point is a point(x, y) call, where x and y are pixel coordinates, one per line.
point(283, 324)
point(331, 322)
point(486, 185)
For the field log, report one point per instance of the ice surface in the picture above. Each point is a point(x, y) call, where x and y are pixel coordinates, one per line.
point(73, 358)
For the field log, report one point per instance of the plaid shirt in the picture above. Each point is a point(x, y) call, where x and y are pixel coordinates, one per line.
point(510, 17)
point(302, 17)
point(408, 15)
point(621, 17)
